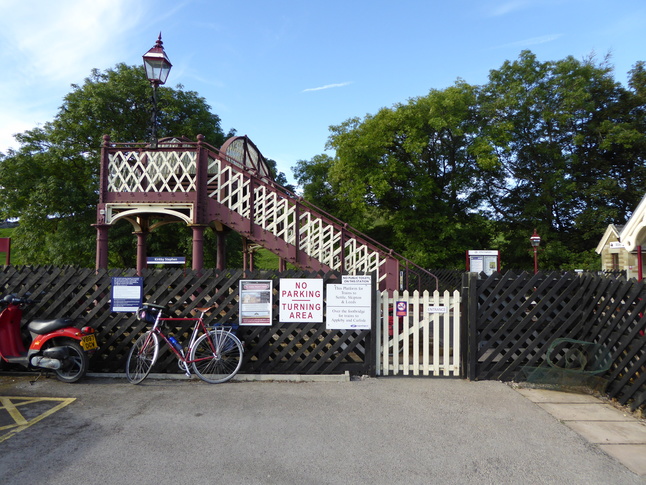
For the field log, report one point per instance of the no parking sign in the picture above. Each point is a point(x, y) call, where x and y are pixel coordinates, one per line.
point(401, 308)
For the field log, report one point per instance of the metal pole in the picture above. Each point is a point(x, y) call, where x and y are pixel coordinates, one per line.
point(535, 260)
point(153, 121)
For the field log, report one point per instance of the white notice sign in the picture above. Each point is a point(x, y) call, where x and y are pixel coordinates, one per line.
point(348, 307)
point(301, 300)
point(347, 279)
point(438, 309)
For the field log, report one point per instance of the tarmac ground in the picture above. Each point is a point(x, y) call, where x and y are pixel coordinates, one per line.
point(394, 430)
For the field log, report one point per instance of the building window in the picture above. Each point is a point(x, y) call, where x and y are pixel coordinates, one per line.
point(615, 262)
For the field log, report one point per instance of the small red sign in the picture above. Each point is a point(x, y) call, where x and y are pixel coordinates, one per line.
point(401, 308)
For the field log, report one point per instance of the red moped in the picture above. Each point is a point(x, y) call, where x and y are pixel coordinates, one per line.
point(55, 344)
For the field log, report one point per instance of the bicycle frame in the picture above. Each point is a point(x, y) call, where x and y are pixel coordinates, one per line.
point(182, 356)
point(214, 353)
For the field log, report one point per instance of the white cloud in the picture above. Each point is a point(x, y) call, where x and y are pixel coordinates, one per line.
point(507, 7)
point(327, 86)
point(66, 36)
point(532, 41)
point(47, 45)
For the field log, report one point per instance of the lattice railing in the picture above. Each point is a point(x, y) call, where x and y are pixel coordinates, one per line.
point(318, 237)
point(150, 171)
point(174, 169)
point(515, 320)
point(282, 348)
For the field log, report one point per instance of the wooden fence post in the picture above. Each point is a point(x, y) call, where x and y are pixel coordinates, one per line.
point(372, 342)
point(469, 337)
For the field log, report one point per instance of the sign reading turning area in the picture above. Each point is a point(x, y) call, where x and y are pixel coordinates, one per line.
point(301, 300)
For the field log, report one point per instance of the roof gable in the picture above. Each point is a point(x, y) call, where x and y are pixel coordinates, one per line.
point(611, 235)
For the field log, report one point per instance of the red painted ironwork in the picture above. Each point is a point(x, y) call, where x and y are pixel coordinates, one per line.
point(5, 247)
point(178, 180)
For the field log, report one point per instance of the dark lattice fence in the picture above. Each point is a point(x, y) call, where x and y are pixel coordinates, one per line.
point(84, 294)
point(412, 279)
point(561, 324)
point(513, 323)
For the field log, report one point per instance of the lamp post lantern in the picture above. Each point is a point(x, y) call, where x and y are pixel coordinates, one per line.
point(535, 240)
point(157, 67)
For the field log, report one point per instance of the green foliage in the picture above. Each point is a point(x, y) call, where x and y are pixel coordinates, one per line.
point(406, 176)
point(279, 177)
point(317, 188)
point(265, 259)
point(558, 146)
point(51, 182)
point(551, 124)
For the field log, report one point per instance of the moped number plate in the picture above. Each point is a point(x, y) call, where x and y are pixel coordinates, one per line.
point(89, 342)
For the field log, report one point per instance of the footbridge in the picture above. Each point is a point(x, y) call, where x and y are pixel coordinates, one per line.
point(231, 188)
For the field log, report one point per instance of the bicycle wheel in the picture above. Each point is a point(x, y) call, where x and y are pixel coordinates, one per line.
point(217, 356)
point(142, 357)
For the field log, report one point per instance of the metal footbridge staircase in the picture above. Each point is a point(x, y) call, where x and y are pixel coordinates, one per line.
point(179, 180)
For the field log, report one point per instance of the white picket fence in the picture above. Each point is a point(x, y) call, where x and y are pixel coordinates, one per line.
point(424, 342)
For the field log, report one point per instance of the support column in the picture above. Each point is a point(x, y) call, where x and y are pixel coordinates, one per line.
point(245, 253)
point(198, 247)
point(101, 246)
point(248, 250)
point(141, 251)
point(640, 267)
point(221, 262)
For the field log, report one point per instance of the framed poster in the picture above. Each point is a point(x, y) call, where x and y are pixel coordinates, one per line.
point(255, 302)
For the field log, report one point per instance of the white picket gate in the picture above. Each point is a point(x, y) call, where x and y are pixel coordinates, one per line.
point(424, 342)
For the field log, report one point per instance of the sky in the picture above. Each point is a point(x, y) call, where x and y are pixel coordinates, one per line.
point(283, 71)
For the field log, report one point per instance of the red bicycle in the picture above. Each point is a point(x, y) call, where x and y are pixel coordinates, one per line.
point(214, 354)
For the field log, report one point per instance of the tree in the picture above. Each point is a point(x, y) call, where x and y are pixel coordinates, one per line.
point(559, 146)
point(313, 176)
point(406, 176)
point(50, 183)
point(548, 123)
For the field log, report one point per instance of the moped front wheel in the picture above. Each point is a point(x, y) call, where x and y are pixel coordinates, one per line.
point(142, 357)
point(74, 366)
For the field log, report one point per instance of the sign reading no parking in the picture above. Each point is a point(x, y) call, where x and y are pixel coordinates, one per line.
point(301, 300)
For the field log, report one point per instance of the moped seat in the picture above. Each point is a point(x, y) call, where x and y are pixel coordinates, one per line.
point(41, 327)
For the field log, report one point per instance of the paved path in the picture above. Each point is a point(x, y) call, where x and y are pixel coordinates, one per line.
point(373, 431)
point(615, 431)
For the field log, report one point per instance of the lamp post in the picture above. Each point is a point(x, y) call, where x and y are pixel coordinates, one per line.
point(157, 69)
point(535, 239)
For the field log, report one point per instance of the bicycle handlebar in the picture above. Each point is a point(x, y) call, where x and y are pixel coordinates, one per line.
point(154, 305)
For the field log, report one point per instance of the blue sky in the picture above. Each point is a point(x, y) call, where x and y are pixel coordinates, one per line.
point(283, 71)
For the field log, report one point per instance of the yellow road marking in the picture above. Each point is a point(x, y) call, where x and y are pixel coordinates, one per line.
point(11, 404)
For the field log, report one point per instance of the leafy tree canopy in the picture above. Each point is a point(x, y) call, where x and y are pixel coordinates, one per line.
point(558, 146)
point(406, 176)
point(50, 183)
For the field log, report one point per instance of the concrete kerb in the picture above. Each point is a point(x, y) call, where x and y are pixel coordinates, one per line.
point(243, 377)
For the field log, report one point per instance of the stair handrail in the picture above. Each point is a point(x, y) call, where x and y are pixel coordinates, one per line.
point(186, 145)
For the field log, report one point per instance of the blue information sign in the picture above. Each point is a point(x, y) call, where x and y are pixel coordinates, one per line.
point(166, 260)
point(127, 293)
